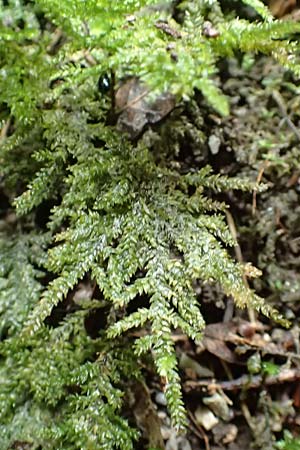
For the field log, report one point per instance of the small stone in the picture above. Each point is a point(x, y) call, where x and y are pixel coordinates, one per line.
point(160, 399)
point(178, 443)
point(206, 418)
point(165, 432)
point(214, 143)
point(183, 443)
point(289, 314)
point(225, 433)
point(267, 337)
point(218, 405)
point(162, 415)
point(171, 443)
point(231, 434)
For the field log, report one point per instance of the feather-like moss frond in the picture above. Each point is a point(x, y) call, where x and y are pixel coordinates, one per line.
point(93, 205)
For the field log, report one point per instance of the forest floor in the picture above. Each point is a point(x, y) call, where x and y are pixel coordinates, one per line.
point(242, 381)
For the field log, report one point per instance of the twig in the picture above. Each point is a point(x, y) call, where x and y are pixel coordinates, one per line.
point(89, 58)
point(258, 180)
point(232, 229)
point(282, 108)
point(132, 102)
point(239, 257)
point(245, 381)
point(247, 415)
point(198, 431)
point(168, 30)
point(226, 369)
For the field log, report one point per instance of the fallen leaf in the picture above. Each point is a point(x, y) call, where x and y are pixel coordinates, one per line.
point(186, 362)
point(136, 110)
point(220, 349)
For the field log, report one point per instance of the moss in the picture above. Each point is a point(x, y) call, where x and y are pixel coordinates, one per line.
point(122, 216)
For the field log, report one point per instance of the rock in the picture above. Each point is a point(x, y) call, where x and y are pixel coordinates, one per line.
point(160, 399)
point(214, 143)
point(206, 418)
point(225, 433)
point(218, 405)
point(178, 443)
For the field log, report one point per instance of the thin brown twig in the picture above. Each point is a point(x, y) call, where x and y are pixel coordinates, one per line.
point(247, 415)
point(226, 369)
point(168, 30)
point(258, 180)
point(198, 431)
point(89, 58)
point(232, 229)
point(282, 108)
point(239, 257)
point(245, 381)
point(133, 101)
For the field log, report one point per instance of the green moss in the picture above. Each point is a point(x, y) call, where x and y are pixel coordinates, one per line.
point(127, 218)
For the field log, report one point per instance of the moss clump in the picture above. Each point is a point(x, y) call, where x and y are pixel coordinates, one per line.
point(108, 228)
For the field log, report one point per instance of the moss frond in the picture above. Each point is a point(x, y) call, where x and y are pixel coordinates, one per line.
point(139, 226)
